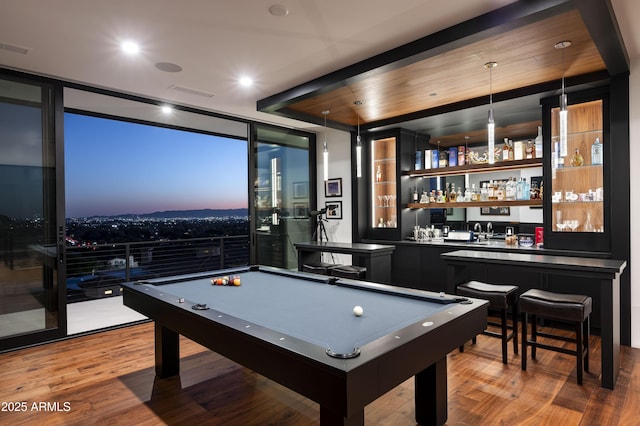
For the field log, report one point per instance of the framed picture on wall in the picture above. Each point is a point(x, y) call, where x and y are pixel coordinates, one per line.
point(334, 209)
point(333, 187)
point(495, 211)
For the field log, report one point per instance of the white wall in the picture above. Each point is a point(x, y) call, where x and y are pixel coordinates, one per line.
point(339, 146)
point(634, 153)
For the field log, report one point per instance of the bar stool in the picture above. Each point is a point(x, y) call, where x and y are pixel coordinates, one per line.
point(349, 271)
point(322, 268)
point(500, 297)
point(573, 308)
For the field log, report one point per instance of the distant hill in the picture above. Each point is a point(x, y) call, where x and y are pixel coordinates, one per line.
point(194, 214)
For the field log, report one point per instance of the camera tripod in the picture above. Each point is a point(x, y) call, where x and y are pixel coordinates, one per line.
point(320, 232)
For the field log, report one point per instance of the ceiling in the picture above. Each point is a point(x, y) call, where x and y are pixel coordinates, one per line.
point(320, 55)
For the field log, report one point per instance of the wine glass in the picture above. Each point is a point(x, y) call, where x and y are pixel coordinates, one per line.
point(386, 200)
point(393, 200)
point(573, 225)
point(559, 223)
point(380, 201)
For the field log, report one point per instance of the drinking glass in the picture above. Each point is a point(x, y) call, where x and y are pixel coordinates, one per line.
point(573, 224)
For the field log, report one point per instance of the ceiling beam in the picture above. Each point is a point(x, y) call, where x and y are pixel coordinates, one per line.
point(600, 19)
point(500, 20)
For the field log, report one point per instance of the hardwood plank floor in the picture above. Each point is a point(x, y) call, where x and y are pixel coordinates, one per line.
point(108, 379)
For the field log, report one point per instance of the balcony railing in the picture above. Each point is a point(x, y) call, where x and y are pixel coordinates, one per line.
point(97, 271)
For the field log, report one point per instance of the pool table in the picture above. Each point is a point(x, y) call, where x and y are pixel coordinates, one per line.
point(300, 330)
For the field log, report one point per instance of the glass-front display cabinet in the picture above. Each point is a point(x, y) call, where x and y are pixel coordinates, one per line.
point(577, 217)
point(384, 183)
point(389, 153)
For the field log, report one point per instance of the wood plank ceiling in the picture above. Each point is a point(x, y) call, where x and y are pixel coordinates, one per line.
point(453, 75)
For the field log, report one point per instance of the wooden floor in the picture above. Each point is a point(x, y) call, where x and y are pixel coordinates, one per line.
point(108, 379)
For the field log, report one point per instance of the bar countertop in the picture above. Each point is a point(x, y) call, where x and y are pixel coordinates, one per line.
point(495, 245)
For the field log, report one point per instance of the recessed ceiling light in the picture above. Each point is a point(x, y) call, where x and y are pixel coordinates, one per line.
point(278, 10)
point(166, 109)
point(246, 81)
point(130, 47)
point(168, 67)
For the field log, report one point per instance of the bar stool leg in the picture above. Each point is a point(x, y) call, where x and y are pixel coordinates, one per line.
point(505, 331)
point(523, 362)
point(585, 333)
point(514, 321)
point(579, 351)
point(534, 335)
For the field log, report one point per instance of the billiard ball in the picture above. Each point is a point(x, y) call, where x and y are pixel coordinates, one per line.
point(358, 311)
point(236, 280)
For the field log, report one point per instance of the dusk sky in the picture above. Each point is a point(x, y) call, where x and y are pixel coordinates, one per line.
point(114, 167)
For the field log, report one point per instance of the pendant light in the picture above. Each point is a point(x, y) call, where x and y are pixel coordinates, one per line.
point(491, 125)
point(358, 145)
point(563, 103)
point(325, 150)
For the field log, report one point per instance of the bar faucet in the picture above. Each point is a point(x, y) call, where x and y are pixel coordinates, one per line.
point(477, 227)
point(489, 228)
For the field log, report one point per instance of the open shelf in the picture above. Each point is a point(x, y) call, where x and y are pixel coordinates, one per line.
point(477, 168)
point(449, 205)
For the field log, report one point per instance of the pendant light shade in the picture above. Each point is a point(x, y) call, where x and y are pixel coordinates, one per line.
point(491, 125)
point(358, 145)
point(563, 104)
point(325, 150)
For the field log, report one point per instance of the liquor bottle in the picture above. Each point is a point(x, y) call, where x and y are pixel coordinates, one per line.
point(475, 195)
point(435, 158)
point(453, 195)
point(491, 192)
point(510, 190)
point(444, 159)
point(461, 155)
point(505, 150)
point(538, 143)
point(419, 160)
point(484, 193)
point(427, 159)
point(415, 195)
point(453, 156)
point(378, 174)
point(596, 152)
point(510, 153)
point(576, 159)
point(530, 149)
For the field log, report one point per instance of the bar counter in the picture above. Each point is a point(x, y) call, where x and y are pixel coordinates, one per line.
point(418, 264)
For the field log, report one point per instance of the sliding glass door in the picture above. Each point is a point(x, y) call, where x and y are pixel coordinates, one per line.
point(31, 238)
point(283, 194)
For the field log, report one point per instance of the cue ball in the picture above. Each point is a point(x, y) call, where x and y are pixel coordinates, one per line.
point(358, 311)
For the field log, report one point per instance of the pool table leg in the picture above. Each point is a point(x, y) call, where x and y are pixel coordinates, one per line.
point(167, 350)
point(329, 418)
point(431, 394)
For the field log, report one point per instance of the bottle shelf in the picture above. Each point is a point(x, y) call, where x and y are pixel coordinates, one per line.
point(477, 168)
point(464, 204)
point(570, 169)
